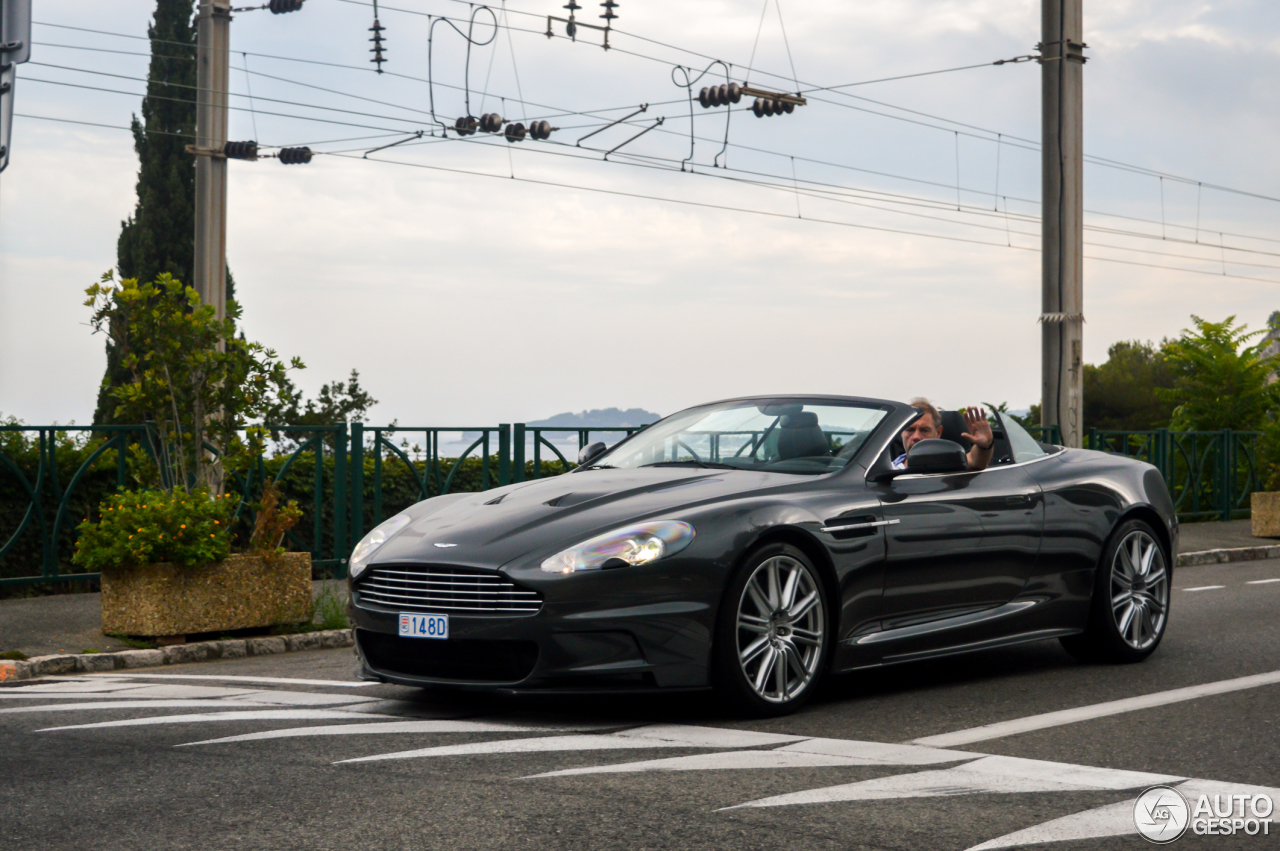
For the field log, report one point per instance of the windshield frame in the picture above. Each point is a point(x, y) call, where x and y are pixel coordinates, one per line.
point(888, 407)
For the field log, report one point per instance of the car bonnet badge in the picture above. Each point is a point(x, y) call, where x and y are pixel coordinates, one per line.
point(446, 546)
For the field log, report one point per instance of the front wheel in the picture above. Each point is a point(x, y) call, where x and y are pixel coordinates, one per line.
point(1130, 608)
point(772, 634)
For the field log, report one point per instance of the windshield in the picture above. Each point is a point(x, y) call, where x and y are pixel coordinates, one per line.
point(781, 435)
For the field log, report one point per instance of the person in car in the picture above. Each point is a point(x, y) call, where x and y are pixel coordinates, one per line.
point(929, 425)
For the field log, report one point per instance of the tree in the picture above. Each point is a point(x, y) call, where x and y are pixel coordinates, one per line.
point(1124, 392)
point(190, 376)
point(159, 237)
point(337, 402)
point(1220, 379)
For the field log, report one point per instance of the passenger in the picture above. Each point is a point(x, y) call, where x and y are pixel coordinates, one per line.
point(929, 425)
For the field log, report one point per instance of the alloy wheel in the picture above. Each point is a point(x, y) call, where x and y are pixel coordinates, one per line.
point(781, 627)
point(1139, 590)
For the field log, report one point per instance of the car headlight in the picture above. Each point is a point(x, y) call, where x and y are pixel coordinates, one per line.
point(370, 543)
point(632, 545)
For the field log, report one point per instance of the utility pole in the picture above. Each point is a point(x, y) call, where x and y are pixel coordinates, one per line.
point(213, 52)
point(1062, 256)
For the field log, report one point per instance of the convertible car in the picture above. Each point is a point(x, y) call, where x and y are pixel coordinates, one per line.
point(754, 545)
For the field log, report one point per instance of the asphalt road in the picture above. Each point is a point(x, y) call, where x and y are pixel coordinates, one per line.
point(459, 772)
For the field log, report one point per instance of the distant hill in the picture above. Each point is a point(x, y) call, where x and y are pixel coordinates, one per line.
point(600, 418)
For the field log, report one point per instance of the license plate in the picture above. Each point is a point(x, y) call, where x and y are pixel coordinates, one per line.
point(424, 626)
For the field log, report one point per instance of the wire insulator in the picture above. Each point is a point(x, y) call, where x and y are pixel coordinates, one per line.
point(378, 57)
point(608, 6)
point(540, 130)
point(240, 150)
point(491, 122)
point(466, 125)
point(516, 132)
point(279, 7)
point(295, 156)
point(721, 95)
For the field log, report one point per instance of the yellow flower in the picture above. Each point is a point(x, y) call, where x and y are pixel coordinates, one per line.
point(217, 523)
point(130, 537)
point(183, 526)
point(212, 536)
point(139, 530)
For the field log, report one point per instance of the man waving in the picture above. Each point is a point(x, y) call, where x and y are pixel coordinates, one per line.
point(929, 425)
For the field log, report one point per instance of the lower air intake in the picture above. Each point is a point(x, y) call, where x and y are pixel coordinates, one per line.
point(469, 660)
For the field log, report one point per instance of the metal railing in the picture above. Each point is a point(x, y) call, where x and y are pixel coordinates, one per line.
point(350, 478)
point(1210, 474)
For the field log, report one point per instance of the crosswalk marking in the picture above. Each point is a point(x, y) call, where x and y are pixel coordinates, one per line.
point(957, 772)
point(1097, 710)
point(218, 718)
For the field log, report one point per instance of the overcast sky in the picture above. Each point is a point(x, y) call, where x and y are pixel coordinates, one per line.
point(467, 300)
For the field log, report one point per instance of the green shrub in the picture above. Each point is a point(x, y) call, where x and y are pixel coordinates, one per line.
point(152, 526)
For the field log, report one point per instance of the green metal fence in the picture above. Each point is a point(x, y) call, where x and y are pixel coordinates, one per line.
point(348, 479)
point(1210, 474)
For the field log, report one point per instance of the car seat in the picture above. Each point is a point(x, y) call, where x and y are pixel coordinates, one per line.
point(800, 436)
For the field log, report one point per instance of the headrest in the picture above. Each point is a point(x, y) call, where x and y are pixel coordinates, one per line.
point(802, 419)
point(953, 426)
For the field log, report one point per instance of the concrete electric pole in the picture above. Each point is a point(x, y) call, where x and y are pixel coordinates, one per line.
point(1062, 311)
point(213, 53)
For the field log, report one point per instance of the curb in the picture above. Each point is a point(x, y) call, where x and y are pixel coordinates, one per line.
point(1226, 556)
point(176, 654)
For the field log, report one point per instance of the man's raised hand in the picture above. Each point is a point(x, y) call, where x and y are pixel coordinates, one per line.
point(977, 429)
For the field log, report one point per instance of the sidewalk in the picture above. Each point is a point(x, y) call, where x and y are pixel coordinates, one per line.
point(72, 623)
point(1217, 535)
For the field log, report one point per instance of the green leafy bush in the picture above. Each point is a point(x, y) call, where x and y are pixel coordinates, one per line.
point(152, 526)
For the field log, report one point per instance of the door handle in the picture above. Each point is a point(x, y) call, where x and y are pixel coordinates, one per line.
point(1018, 499)
point(863, 525)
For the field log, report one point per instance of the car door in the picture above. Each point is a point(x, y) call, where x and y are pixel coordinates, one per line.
point(957, 543)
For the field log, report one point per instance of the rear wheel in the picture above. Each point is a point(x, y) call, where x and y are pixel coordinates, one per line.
point(772, 634)
point(1130, 608)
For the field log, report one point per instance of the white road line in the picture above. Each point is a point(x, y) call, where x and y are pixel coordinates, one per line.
point(141, 690)
point(231, 679)
point(993, 774)
point(217, 717)
point(812, 753)
point(126, 704)
point(1112, 819)
point(1262, 581)
point(178, 691)
point(1098, 710)
point(389, 728)
point(1204, 588)
point(655, 736)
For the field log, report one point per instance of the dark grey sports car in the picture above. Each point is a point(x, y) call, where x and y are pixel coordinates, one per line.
point(755, 544)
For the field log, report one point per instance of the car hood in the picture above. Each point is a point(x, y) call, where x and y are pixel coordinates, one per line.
point(537, 519)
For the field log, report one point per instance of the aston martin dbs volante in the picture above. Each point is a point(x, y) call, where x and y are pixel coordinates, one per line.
point(754, 545)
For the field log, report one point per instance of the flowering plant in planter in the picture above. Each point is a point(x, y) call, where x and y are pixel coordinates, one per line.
point(150, 526)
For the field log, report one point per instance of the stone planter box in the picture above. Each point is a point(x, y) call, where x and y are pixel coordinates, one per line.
point(239, 593)
point(1266, 514)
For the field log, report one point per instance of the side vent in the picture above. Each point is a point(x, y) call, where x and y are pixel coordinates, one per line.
point(497, 499)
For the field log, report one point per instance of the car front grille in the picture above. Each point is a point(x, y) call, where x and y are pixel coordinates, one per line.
point(440, 588)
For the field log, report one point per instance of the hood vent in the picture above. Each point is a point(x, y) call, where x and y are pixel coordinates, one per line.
point(497, 499)
point(568, 499)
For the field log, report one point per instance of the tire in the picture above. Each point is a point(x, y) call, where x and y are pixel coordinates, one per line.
point(775, 611)
point(1130, 608)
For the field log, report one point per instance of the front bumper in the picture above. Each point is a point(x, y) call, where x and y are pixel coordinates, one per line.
point(592, 633)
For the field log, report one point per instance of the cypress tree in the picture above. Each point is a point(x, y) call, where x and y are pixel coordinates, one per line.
point(160, 235)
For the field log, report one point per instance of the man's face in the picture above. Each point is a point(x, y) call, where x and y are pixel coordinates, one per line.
point(922, 429)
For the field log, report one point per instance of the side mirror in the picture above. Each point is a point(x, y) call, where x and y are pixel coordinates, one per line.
point(937, 456)
point(591, 452)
